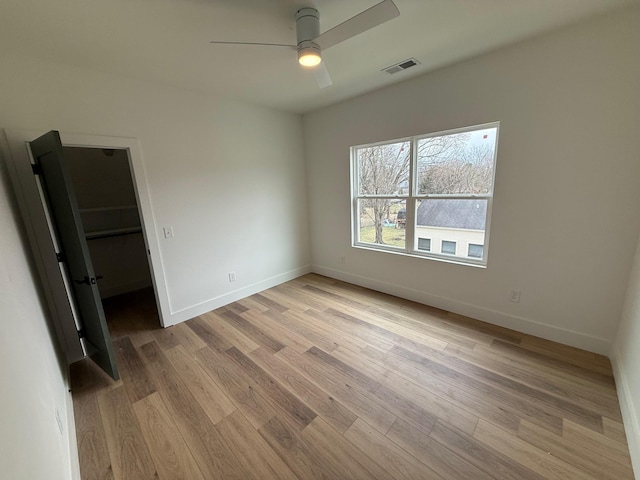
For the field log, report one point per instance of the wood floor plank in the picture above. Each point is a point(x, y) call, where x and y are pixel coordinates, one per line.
point(384, 396)
point(389, 330)
point(352, 373)
point(133, 370)
point(526, 454)
point(614, 430)
point(202, 327)
point(267, 302)
point(491, 461)
point(497, 332)
point(213, 456)
point(224, 330)
point(304, 326)
point(399, 464)
point(282, 398)
point(566, 353)
point(254, 333)
point(573, 453)
point(249, 445)
point(168, 449)
point(273, 329)
point(165, 337)
point(331, 410)
point(238, 386)
point(301, 300)
point(588, 398)
point(127, 447)
point(597, 443)
point(298, 454)
point(421, 318)
point(352, 461)
point(317, 378)
point(546, 408)
point(560, 364)
point(91, 437)
point(207, 393)
point(433, 454)
point(355, 400)
point(187, 338)
point(456, 406)
point(346, 325)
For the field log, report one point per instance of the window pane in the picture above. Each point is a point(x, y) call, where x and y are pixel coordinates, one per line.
point(384, 169)
point(382, 221)
point(457, 163)
point(476, 251)
point(424, 244)
point(448, 247)
point(460, 222)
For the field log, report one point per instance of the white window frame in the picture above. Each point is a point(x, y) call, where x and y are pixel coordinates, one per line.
point(411, 198)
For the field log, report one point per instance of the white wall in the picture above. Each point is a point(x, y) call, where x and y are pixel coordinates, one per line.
point(34, 380)
point(564, 221)
point(227, 176)
point(625, 356)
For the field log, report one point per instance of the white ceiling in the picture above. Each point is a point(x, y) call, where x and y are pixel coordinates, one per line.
point(167, 41)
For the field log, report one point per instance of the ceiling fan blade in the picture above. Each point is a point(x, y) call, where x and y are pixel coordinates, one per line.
point(254, 43)
point(372, 17)
point(321, 74)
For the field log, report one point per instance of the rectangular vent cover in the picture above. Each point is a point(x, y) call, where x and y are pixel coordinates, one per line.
point(398, 67)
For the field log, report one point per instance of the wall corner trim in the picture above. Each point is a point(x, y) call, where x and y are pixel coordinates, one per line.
point(629, 410)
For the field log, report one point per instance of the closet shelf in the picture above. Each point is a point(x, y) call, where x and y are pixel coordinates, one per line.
point(115, 232)
point(107, 209)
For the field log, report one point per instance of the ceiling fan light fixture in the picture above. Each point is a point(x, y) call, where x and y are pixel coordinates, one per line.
point(309, 54)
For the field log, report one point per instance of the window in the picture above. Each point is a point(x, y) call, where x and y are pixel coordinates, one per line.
point(475, 250)
point(439, 187)
point(448, 247)
point(424, 244)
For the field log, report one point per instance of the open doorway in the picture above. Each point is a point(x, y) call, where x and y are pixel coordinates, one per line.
point(65, 268)
point(110, 214)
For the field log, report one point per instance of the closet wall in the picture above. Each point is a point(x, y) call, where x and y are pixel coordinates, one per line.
point(106, 198)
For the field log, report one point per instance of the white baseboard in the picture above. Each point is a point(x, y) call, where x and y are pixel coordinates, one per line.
point(74, 459)
point(629, 411)
point(521, 324)
point(72, 439)
point(230, 297)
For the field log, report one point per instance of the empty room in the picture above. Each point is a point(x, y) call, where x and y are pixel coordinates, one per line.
point(276, 239)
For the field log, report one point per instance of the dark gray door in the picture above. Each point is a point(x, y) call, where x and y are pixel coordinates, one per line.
point(56, 183)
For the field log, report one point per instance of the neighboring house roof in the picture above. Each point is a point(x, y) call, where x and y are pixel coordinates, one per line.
point(455, 213)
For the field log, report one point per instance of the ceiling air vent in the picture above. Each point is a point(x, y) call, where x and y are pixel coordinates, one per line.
point(398, 67)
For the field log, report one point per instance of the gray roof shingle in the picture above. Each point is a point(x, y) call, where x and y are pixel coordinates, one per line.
point(465, 213)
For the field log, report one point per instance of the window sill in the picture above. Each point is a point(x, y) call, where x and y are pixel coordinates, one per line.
point(434, 257)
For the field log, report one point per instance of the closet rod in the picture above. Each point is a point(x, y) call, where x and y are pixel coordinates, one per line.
point(119, 232)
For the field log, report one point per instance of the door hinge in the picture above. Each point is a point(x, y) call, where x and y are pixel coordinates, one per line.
point(82, 333)
point(61, 257)
point(36, 168)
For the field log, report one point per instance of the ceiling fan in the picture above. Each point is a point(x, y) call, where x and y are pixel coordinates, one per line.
point(310, 43)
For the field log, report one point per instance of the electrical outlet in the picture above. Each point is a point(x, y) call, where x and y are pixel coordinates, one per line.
point(515, 296)
point(168, 232)
point(343, 260)
point(232, 276)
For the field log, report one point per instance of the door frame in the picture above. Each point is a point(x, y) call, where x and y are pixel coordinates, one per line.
point(18, 159)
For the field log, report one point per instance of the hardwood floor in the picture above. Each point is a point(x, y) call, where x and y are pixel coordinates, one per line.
point(319, 379)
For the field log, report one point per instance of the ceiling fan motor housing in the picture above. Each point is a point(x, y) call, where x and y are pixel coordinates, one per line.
point(307, 25)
